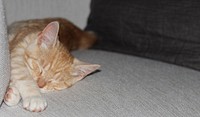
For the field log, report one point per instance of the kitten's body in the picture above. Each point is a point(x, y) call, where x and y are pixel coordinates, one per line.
point(71, 36)
point(40, 58)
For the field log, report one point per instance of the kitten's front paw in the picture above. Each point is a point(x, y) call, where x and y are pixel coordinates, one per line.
point(35, 104)
point(12, 96)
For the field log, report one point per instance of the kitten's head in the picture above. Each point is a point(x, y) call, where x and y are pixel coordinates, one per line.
point(51, 64)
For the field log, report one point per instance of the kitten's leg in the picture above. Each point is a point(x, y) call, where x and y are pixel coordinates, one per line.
point(12, 96)
point(26, 85)
point(31, 96)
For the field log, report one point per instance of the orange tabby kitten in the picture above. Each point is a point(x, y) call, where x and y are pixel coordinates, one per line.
point(41, 60)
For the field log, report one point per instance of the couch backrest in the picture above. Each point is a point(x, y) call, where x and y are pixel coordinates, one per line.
point(75, 10)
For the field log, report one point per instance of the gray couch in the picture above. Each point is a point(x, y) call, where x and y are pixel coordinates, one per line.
point(125, 86)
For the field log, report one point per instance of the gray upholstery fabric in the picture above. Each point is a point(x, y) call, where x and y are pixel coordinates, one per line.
point(4, 54)
point(75, 10)
point(126, 86)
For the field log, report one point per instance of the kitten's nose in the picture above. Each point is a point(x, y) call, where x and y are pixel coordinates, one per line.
point(41, 83)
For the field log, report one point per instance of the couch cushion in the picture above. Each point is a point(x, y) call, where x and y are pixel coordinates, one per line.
point(126, 86)
point(158, 29)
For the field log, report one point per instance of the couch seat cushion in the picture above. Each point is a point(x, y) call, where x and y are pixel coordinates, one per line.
point(126, 86)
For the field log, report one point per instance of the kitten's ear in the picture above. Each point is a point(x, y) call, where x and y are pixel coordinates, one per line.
point(82, 69)
point(48, 36)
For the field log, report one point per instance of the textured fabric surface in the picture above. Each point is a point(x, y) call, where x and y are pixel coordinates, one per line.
point(126, 86)
point(75, 10)
point(158, 29)
point(4, 54)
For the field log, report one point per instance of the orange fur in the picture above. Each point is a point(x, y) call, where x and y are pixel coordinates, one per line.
point(41, 60)
point(69, 35)
point(51, 68)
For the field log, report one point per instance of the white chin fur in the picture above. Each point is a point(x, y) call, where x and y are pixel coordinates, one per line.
point(45, 91)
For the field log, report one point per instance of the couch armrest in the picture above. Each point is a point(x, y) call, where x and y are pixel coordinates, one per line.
point(4, 54)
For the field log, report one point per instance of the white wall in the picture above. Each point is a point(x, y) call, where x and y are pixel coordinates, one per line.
point(76, 11)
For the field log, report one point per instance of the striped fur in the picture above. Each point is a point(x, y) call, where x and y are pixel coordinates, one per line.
point(41, 60)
